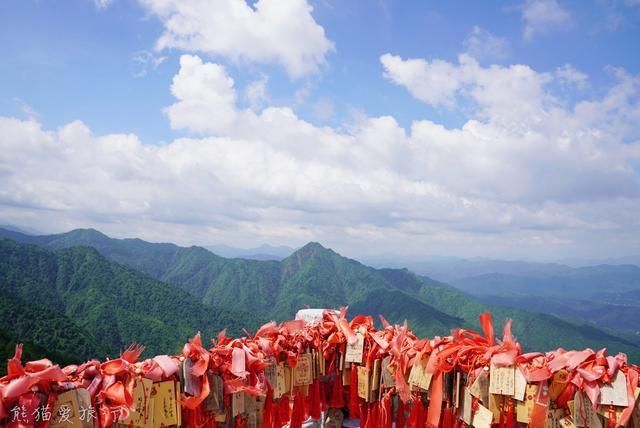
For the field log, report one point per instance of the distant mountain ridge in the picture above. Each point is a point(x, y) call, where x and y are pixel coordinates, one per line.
point(263, 252)
point(606, 295)
point(450, 269)
point(593, 282)
point(319, 277)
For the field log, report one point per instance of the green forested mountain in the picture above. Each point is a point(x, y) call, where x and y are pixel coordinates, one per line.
point(318, 277)
point(31, 320)
point(77, 302)
point(30, 352)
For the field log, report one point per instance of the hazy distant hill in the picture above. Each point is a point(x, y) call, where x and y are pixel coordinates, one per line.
point(606, 295)
point(450, 269)
point(319, 277)
point(587, 283)
point(263, 252)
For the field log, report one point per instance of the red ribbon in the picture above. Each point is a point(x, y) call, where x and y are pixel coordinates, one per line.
point(241, 363)
point(400, 416)
point(354, 410)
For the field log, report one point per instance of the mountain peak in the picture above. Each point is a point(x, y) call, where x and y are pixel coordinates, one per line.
point(312, 246)
point(88, 233)
point(309, 251)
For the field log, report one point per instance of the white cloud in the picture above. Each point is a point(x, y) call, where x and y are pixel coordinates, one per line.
point(206, 97)
point(103, 4)
point(434, 82)
point(540, 179)
point(492, 90)
point(573, 77)
point(256, 92)
point(269, 31)
point(543, 16)
point(483, 45)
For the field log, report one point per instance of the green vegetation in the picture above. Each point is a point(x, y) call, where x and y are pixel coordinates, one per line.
point(30, 352)
point(76, 302)
point(43, 328)
point(313, 276)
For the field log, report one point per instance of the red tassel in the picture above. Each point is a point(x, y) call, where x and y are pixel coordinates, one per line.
point(386, 415)
point(354, 411)
point(336, 399)
point(422, 416)
point(322, 388)
point(412, 420)
point(374, 415)
point(400, 418)
point(364, 414)
point(314, 400)
point(447, 419)
point(417, 415)
point(267, 412)
point(511, 414)
point(284, 412)
point(611, 423)
point(308, 401)
point(277, 422)
point(297, 414)
point(240, 422)
point(193, 418)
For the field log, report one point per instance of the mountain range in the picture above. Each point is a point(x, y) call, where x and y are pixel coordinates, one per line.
point(115, 291)
point(262, 252)
point(606, 295)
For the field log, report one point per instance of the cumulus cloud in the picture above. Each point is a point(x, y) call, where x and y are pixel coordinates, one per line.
point(269, 31)
point(543, 16)
point(435, 82)
point(526, 136)
point(200, 90)
point(523, 175)
point(492, 89)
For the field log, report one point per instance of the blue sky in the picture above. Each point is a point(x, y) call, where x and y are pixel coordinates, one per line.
point(506, 129)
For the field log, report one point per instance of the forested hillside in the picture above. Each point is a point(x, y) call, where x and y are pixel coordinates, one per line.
point(76, 302)
point(313, 276)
